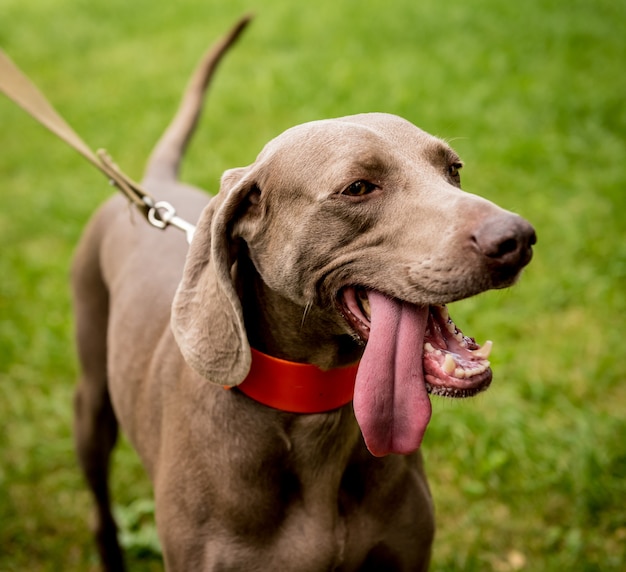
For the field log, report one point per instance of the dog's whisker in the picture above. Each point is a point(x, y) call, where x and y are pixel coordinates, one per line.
point(307, 308)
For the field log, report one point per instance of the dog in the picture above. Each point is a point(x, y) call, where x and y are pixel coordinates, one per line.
point(325, 264)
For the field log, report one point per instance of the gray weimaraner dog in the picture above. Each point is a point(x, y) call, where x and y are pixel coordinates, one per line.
point(340, 245)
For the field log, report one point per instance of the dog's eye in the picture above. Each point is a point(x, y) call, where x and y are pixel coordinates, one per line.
point(359, 189)
point(453, 170)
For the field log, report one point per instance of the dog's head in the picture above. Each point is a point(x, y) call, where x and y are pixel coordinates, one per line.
point(363, 219)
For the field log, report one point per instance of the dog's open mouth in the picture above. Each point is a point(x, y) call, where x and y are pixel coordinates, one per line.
point(454, 364)
point(410, 351)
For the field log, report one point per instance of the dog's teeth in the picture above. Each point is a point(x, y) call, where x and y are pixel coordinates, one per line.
point(365, 304)
point(449, 365)
point(482, 368)
point(456, 333)
point(443, 310)
point(428, 347)
point(485, 351)
point(459, 373)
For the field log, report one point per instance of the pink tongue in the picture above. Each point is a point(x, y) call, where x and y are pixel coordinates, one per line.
point(391, 403)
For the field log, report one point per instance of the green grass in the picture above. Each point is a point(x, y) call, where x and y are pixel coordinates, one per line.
point(529, 476)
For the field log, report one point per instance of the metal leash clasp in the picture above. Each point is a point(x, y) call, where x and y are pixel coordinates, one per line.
point(162, 214)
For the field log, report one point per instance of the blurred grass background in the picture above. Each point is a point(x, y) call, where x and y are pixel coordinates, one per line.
point(530, 475)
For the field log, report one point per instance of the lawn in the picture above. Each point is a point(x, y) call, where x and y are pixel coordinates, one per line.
point(530, 475)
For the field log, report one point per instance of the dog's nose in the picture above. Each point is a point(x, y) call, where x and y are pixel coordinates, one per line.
point(506, 240)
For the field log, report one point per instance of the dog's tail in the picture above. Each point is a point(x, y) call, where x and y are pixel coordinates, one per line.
point(164, 162)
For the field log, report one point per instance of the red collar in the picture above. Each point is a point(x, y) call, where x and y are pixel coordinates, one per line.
point(297, 387)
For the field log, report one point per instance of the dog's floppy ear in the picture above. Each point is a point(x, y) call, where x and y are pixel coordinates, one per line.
point(207, 318)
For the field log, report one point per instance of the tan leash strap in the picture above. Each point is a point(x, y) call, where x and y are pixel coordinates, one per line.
point(23, 92)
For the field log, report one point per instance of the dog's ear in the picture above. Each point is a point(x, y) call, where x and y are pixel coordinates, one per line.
point(207, 318)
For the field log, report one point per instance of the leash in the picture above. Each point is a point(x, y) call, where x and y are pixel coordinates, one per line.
point(15, 85)
point(287, 386)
